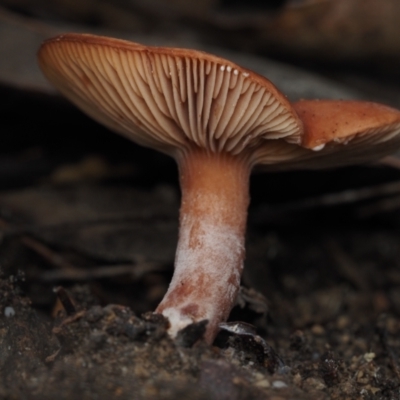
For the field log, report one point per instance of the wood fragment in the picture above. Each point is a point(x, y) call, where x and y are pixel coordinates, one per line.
point(48, 254)
point(379, 207)
point(392, 161)
point(393, 359)
point(135, 271)
point(346, 266)
point(66, 300)
point(57, 329)
point(350, 196)
point(51, 358)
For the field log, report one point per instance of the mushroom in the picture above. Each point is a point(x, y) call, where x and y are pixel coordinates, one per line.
point(348, 132)
point(217, 120)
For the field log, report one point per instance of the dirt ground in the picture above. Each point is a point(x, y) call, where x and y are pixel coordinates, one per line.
point(88, 229)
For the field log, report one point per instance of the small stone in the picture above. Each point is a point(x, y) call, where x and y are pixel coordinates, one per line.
point(9, 312)
point(343, 322)
point(94, 314)
point(264, 383)
point(279, 384)
point(368, 357)
point(318, 330)
point(297, 379)
point(191, 334)
point(314, 383)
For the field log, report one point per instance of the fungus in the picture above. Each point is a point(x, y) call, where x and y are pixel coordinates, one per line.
point(217, 120)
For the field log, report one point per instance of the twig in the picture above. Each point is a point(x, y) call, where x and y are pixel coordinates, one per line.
point(346, 266)
point(66, 300)
point(49, 255)
point(383, 336)
point(67, 271)
point(68, 320)
point(331, 199)
point(51, 358)
point(391, 161)
point(378, 207)
point(135, 271)
point(350, 196)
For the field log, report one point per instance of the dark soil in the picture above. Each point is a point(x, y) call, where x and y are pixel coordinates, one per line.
point(89, 225)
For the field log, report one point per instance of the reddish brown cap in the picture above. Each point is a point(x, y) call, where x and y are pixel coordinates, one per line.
point(341, 121)
point(348, 132)
point(336, 133)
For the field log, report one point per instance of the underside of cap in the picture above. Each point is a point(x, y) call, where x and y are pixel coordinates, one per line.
point(168, 98)
point(175, 99)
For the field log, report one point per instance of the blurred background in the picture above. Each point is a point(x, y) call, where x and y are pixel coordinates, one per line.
point(342, 49)
point(354, 44)
point(308, 48)
point(84, 208)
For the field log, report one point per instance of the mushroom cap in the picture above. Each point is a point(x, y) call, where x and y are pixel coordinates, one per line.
point(169, 98)
point(341, 121)
point(336, 133)
point(173, 99)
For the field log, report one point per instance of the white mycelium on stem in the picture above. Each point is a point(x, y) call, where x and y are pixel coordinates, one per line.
point(210, 252)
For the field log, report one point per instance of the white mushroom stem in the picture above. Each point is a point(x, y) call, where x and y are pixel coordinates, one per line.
point(210, 252)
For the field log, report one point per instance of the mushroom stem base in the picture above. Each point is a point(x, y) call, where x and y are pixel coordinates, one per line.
point(210, 252)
